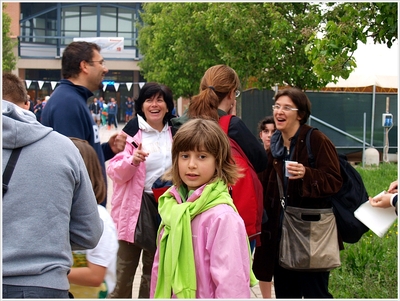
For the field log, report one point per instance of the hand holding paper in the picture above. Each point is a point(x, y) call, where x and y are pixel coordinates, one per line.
point(377, 219)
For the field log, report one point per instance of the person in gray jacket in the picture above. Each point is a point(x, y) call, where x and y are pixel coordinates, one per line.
point(49, 208)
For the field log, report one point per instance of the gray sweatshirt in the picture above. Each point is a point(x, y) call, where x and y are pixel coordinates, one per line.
point(49, 208)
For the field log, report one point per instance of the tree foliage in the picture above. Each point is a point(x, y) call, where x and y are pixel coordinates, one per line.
point(9, 60)
point(176, 45)
point(266, 41)
point(307, 44)
point(346, 24)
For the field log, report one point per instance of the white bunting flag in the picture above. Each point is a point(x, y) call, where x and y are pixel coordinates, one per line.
point(53, 85)
point(129, 86)
point(104, 87)
point(28, 83)
point(40, 83)
point(141, 84)
point(116, 86)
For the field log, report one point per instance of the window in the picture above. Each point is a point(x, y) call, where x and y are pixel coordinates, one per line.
point(108, 19)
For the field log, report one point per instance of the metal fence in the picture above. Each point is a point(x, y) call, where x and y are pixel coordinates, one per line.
point(340, 115)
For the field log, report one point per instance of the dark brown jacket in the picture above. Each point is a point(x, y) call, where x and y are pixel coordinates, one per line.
point(309, 192)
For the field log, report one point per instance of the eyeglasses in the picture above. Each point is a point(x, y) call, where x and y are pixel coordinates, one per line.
point(284, 108)
point(237, 93)
point(102, 62)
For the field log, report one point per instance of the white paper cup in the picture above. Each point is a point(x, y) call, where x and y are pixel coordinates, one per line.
point(288, 174)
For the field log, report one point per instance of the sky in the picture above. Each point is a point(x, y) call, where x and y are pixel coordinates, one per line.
point(377, 59)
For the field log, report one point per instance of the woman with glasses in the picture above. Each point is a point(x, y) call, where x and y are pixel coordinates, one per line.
point(307, 188)
point(219, 88)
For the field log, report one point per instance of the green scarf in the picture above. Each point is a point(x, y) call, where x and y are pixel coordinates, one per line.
point(176, 270)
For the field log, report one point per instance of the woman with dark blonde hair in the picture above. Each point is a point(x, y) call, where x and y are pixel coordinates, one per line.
point(219, 88)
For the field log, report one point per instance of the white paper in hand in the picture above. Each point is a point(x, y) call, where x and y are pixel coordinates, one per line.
point(377, 219)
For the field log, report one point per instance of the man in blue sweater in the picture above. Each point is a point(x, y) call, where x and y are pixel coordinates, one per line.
point(83, 70)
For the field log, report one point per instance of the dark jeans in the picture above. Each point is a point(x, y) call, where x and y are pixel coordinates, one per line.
point(292, 284)
point(112, 120)
point(32, 292)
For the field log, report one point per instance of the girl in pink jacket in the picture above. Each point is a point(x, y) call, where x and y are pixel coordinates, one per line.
point(203, 249)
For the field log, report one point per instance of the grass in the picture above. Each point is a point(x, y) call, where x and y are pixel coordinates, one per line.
point(370, 267)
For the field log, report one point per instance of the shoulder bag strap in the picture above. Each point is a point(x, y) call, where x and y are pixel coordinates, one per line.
point(8, 171)
point(281, 194)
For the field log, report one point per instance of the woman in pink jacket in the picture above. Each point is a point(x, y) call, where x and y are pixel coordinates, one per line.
point(146, 157)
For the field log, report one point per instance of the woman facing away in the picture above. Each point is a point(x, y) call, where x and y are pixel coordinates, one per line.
point(146, 157)
point(219, 88)
point(307, 188)
point(203, 250)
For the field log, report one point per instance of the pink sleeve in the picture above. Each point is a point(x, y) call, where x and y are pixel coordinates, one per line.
point(120, 168)
point(229, 257)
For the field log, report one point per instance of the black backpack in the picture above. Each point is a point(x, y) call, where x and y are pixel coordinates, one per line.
point(347, 199)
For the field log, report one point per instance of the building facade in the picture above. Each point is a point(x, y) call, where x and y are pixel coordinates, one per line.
point(43, 30)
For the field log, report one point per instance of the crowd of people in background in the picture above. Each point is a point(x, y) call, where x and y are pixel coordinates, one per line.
point(103, 112)
point(70, 244)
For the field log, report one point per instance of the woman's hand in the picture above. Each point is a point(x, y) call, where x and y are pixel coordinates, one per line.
point(117, 142)
point(393, 188)
point(296, 169)
point(381, 200)
point(232, 110)
point(139, 155)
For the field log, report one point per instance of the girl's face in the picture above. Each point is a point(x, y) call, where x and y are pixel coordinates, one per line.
point(286, 119)
point(196, 168)
point(265, 135)
point(154, 109)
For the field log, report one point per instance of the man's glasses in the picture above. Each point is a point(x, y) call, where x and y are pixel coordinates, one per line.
point(284, 108)
point(102, 62)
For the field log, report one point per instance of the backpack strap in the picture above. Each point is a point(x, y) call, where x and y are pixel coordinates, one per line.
point(224, 122)
point(311, 159)
point(8, 171)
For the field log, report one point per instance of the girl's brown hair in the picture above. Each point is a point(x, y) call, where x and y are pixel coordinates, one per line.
point(93, 167)
point(198, 135)
point(217, 82)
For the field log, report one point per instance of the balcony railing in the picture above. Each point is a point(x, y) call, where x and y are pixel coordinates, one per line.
point(50, 47)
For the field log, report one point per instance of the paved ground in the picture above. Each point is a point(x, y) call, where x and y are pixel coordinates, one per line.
point(104, 136)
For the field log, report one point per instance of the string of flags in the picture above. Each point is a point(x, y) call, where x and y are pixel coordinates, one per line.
point(105, 84)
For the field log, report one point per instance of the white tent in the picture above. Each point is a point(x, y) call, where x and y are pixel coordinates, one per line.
point(357, 79)
point(377, 65)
